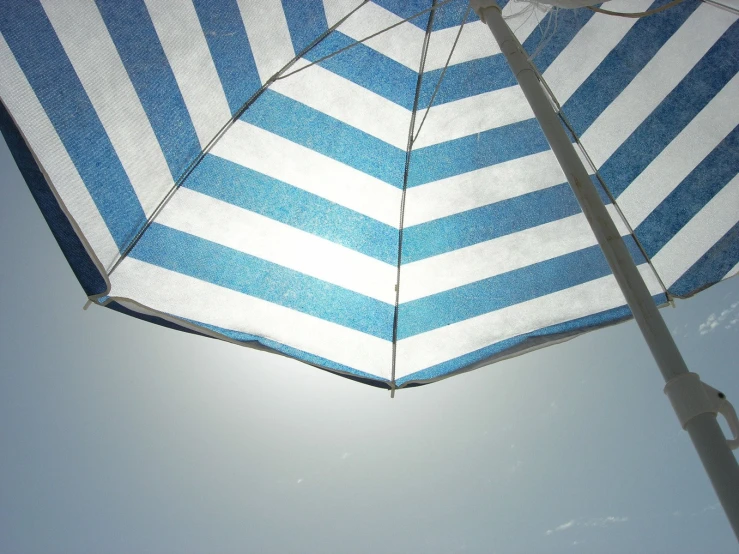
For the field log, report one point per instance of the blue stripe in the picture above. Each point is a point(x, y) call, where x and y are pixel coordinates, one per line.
point(556, 30)
point(448, 15)
point(264, 195)
point(521, 343)
point(40, 55)
point(142, 55)
point(300, 355)
point(306, 21)
point(691, 195)
point(466, 154)
point(360, 64)
point(488, 222)
point(507, 289)
point(466, 79)
point(315, 130)
point(79, 260)
point(406, 8)
point(229, 47)
point(451, 14)
point(225, 267)
point(492, 73)
point(678, 109)
point(368, 68)
point(491, 221)
point(622, 64)
point(711, 267)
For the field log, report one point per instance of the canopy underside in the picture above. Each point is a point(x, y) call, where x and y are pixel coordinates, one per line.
point(198, 172)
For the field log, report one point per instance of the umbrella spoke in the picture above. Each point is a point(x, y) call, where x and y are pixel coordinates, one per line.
point(441, 76)
point(365, 39)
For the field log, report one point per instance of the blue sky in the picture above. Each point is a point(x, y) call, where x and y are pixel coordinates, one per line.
point(120, 436)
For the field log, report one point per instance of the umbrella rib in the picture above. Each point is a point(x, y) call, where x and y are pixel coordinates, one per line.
point(602, 181)
point(441, 76)
point(424, 52)
point(365, 39)
point(191, 167)
point(721, 6)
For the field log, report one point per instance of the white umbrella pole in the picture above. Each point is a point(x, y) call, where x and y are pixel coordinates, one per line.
point(695, 403)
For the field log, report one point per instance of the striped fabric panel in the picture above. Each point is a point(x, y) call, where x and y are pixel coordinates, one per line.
point(285, 234)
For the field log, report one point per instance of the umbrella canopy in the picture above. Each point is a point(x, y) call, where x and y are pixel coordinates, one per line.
point(388, 210)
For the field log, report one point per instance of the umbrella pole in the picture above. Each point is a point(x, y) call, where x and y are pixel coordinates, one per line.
point(695, 403)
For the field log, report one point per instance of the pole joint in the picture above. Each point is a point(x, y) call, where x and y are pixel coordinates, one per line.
point(479, 6)
point(690, 397)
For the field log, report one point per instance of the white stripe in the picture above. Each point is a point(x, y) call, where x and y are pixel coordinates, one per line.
point(301, 167)
point(86, 41)
point(365, 110)
point(268, 34)
point(346, 101)
point(590, 47)
point(729, 3)
point(732, 272)
point(217, 221)
point(474, 114)
point(699, 234)
point(481, 187)
point(449, 342)
point(184, 44)
point(52, 157)
point(186, 297)
point(335, 10)
point(476, 40)
point(696, 141)
point(663, 72)
point(474, 43)
point(494, 109)
point(497, 256)
point(404, 43)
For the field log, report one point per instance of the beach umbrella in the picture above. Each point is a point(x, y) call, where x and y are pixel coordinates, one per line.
point(389, 190)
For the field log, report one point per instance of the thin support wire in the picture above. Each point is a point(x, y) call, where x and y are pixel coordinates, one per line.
point(419, 81)
point(721, 6)
point(365, 39)
point(530, 9)
point(611, 197)
point(441, 76)
point(547, 34)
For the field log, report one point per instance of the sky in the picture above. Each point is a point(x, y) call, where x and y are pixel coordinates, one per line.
point(120, 436)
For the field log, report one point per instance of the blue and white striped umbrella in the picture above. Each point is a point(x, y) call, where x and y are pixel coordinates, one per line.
point(388, 210)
